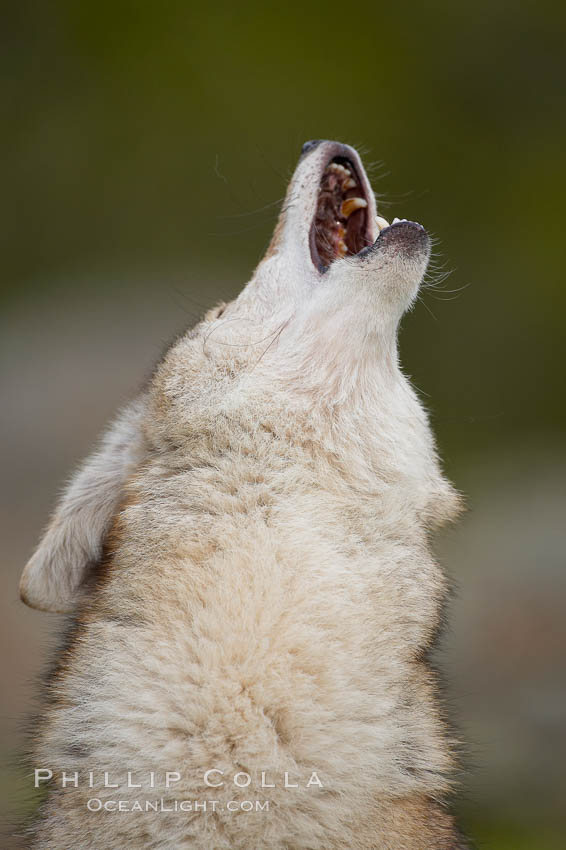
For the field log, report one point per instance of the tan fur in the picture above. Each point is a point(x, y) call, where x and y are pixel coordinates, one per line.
point(73, 540)
point(267, 591)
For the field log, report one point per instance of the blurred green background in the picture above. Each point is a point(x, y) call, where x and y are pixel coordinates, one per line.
point(145, 149)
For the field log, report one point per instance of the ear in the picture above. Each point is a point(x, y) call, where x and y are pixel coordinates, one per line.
point(74, 538)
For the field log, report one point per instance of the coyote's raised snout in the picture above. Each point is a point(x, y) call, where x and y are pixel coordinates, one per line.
point(247, 558)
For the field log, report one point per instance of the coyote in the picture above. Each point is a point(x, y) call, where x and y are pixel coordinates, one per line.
point(246, 560)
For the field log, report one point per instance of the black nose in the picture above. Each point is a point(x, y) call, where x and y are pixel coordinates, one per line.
point(310, 146)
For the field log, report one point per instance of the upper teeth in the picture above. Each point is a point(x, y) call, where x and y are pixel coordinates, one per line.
point(341, 169)
point(350, 205)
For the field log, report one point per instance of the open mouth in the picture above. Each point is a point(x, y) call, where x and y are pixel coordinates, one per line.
point(340, 224)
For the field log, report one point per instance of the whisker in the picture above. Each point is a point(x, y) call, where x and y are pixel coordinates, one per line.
point(425, 305)
point(256, 211)
point(234, 344)
point(273, 341)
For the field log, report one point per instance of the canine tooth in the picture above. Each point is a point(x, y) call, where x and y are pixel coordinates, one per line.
point(350, 205)
point(381, 222)
point(349, 184)
point(395, 220)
